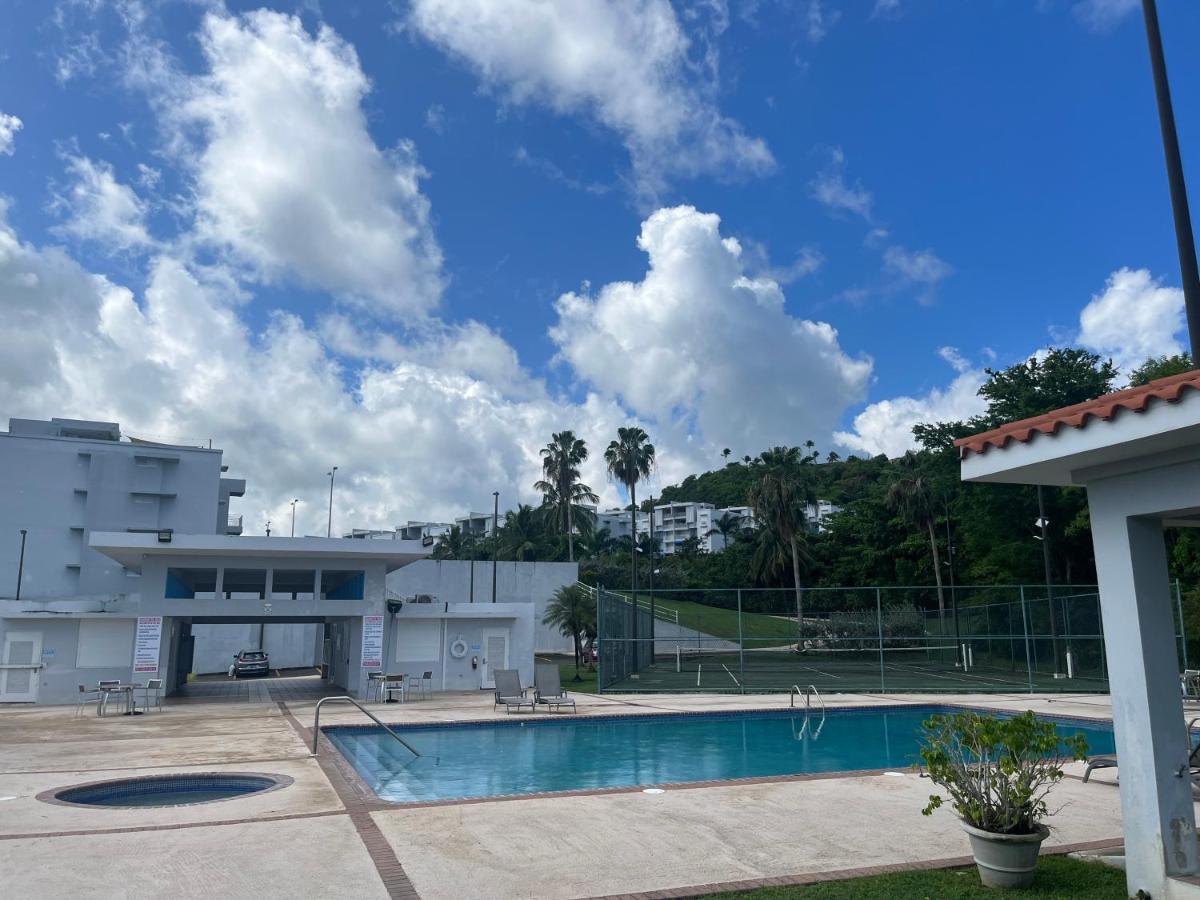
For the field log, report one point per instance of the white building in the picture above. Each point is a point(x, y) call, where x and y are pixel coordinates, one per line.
point(426, 532)
point(476, 523)
point(125, 541)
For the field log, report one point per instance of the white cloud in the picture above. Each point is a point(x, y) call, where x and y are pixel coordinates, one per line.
point(922, 268)
point(1102, 15)
point(99, 208)
point(698, 343)
point(886, 9)
point(287, 179)
point(626, 65)
point(1135, 317)
point(818, 21)
point(9, 126)
point(831, 189)
point(886, 425)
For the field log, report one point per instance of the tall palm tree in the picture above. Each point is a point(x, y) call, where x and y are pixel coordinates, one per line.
point(562, 491)
point(596, 543)
point(728, 525)
point(780, 496)
point(451, 545)
point(725, 454)
point(573, 613)
point(912, 498)
point(520, 535)
point(629, 459)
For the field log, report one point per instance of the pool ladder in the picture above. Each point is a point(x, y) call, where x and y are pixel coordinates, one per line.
point(808, 696)
point(364, 711)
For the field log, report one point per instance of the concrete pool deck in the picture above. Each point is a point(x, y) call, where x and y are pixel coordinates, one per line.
point(324, 837)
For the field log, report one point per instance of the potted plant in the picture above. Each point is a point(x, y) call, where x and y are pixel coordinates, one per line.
point(997, 772)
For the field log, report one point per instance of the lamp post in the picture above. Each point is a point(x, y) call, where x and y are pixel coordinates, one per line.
point(268, 527)
point(1188, 271)
point(329, 526)
point(495, 538)
point(1044, 523)
point(953, 598)
point(294, 502)
point(20, 565)
point(651, 532)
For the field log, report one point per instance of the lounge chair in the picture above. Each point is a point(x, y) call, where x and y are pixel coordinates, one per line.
point(547, 688)
point(1110, 762)
point(509, 692)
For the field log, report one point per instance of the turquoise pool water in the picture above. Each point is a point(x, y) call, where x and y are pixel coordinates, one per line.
point(532, 755)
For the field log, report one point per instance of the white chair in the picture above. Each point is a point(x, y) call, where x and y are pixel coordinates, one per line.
point(375, 682)
point(152, 693)
point(416, 683)
point(86, 695)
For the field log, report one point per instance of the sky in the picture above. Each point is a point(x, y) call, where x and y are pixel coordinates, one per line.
point(413, 239)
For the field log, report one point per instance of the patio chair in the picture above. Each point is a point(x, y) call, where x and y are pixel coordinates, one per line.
point(1189, 683)
point(509, 691)
point(422, 684)
point(547, 688)
point(375, 682)
point(1110, 762)
point(152, 694)
point(86, 695)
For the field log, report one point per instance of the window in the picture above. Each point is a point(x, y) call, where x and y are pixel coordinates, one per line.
point(418, 640)
point(104, 643)
point(293, 584)
point(190, 584)
point(342, 585)
point(245, 584)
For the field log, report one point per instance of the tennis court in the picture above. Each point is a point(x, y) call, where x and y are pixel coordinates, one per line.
point(991, 639)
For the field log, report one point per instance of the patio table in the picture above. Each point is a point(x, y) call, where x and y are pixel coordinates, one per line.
point(108, 690)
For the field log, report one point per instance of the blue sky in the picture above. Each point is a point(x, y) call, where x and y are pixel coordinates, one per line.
point(407, 235)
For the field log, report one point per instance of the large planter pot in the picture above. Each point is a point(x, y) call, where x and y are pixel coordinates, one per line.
point(1006, 860)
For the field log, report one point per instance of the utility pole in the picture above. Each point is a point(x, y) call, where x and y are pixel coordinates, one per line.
point(1186, 243)
point(495, 538)
point(1045, 526)
point(20, 565)
point(294, 502)
point(329, 525)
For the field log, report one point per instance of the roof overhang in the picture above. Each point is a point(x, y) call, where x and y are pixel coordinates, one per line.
point(1162, 433)
point(131, 548)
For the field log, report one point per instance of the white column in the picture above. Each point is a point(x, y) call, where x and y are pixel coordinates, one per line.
point(1135, 600)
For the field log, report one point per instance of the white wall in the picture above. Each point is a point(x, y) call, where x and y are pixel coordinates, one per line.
point(449, 581)
point(458, 674)
point(291, 645)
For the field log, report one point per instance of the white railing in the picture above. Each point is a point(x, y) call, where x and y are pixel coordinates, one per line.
point(664, 614)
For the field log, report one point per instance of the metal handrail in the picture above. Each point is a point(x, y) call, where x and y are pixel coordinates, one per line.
point(808, 695)
point(365, 711)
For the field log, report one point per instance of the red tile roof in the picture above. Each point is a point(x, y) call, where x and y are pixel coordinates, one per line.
point(1131, 399)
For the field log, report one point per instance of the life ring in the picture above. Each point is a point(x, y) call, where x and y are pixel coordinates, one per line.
point(458, 648)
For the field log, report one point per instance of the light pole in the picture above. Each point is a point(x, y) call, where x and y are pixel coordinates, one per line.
point(329, 527)
point(1044, 524)
point(20, 565)
point(495, 538)
point(953, 598)
point(294, 502)
point(651, 532)
point(268, 527)
point(1188, 271)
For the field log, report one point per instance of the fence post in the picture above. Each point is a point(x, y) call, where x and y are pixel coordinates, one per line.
point(879, 632)
point(1025, 628)
point(599, 646)
point(741, 646)
point(1182, 632)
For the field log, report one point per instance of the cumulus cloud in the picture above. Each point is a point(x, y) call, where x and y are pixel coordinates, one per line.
point(886, 425)
point(698, 342)
point(97, 207)
point(1103, 15)
point(831, 188)
point(626, 65)
point(9, 126)
point(287, 179)
point(1134, 318)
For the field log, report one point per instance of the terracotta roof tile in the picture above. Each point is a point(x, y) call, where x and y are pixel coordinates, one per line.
point(1131, 400)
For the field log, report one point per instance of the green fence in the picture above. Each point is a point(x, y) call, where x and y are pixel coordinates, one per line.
point(972, 639)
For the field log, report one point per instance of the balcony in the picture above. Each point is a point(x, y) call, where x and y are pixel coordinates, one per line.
point(233, 525)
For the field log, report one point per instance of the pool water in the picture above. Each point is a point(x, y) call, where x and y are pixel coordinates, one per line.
point(168, 790)
point(544, 754)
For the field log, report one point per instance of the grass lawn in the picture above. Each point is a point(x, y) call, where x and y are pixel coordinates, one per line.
point(1058, 878)
point(566, 675)
point(764, 630)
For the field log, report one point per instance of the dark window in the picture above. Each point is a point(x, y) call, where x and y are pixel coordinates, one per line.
point(245, 584)
point(342, 585)
point(189, 584)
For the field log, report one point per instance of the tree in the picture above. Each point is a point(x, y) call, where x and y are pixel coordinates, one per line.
point(727, 525)
point(780, 497)
point(596, 543)
point(912, 499)
point(573, 613)
point(562, 491)
point(450, 545)
point(725, 454)
point(1160, 367)
point(629, 459)
point(1062, 377)
point(521, 534)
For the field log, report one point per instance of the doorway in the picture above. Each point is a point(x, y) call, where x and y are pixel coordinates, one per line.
point(495, 655)
point(22, 660)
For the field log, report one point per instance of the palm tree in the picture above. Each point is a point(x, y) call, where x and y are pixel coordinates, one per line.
point(725, 454)
point(728, 525)
point(780, 497)
point(562, 491)
point(596, 543)
point(912, 498)
point(451, 545)
point(629, 459)
point(574, 614)
point(520, 535)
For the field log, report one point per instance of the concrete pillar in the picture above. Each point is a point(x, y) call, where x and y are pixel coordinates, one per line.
point(1135, 601)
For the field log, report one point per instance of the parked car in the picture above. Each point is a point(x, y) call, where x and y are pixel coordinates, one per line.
point(251, 662)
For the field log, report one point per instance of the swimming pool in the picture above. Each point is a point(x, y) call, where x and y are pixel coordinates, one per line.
point(531, 755)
